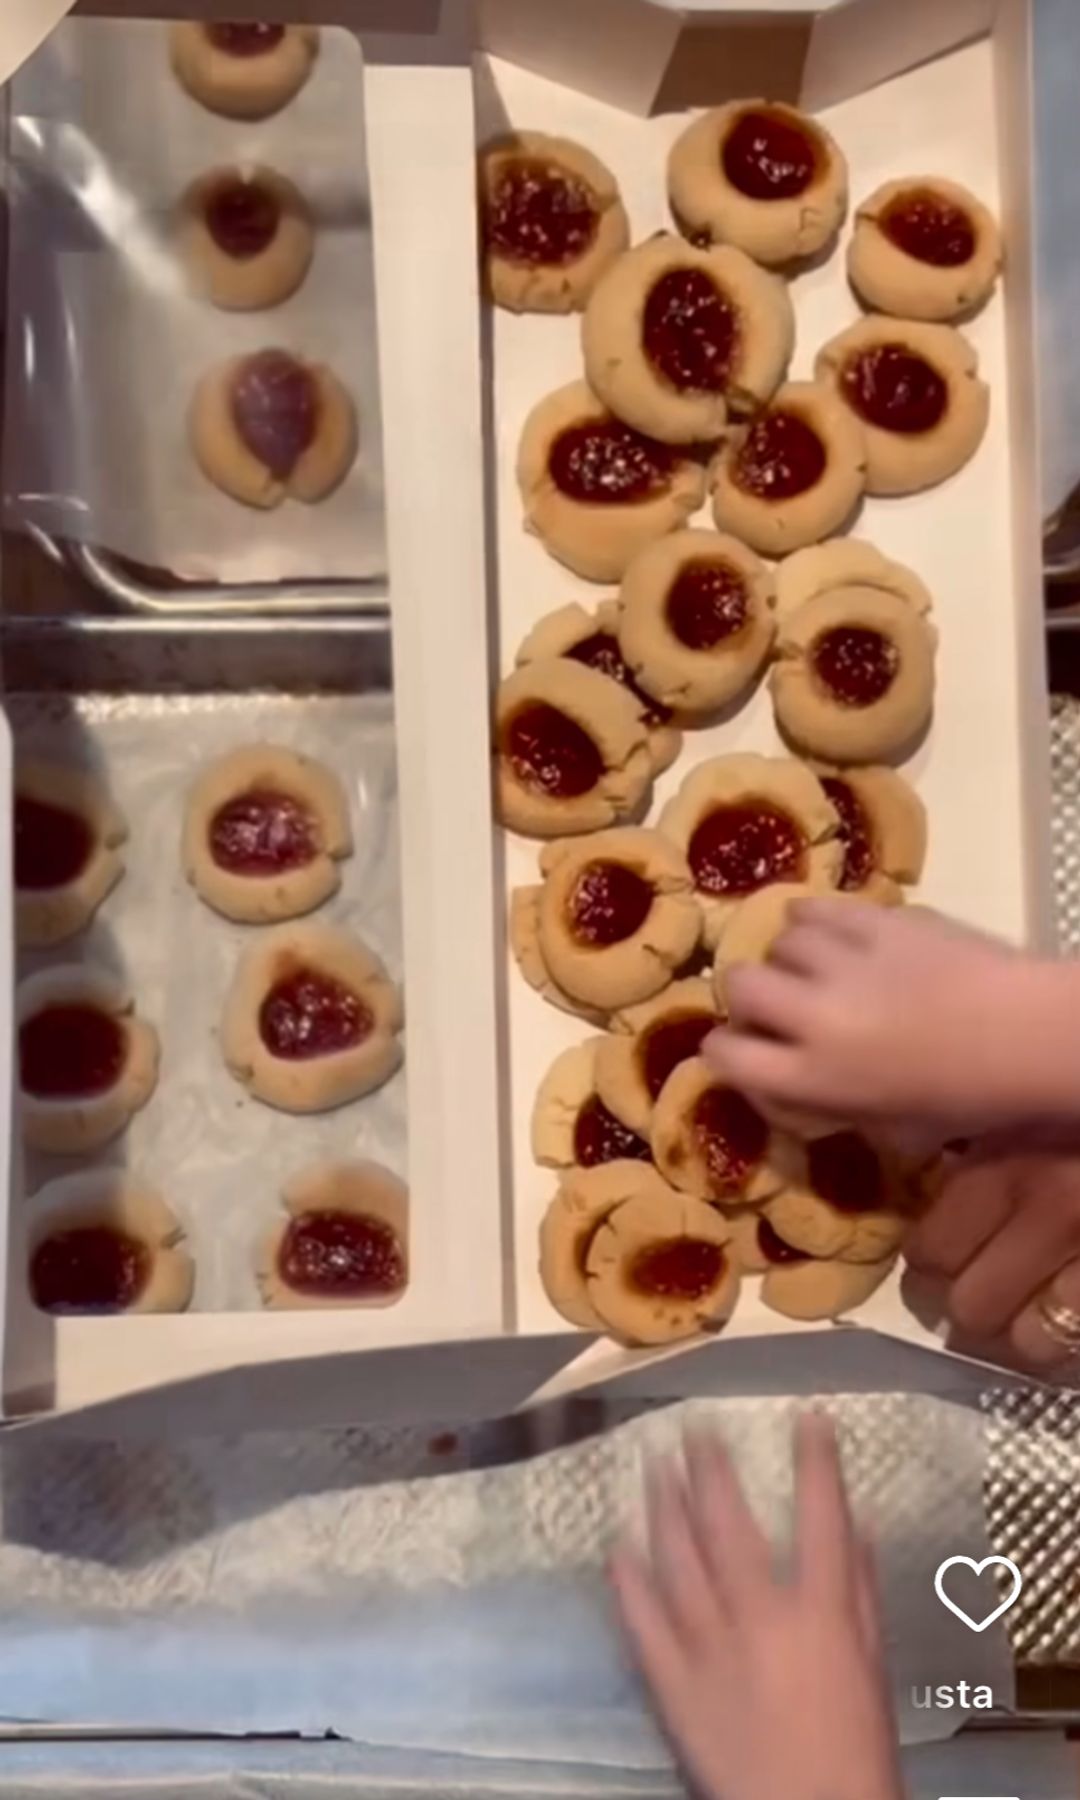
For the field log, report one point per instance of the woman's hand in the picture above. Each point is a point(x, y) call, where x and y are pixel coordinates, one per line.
point(895, 1015)
point(1005, 1234)
point(769, 1684)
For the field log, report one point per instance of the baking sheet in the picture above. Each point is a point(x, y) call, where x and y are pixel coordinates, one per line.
point(105, 346)
point(958, 537)
point(218, 1157)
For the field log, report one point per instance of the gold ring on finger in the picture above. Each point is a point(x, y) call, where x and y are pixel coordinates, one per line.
point(1061, 1323)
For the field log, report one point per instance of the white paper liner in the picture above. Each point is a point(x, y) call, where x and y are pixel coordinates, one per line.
point(939, 118)
point(218, 1157)
point(254, 1586)
point(105, 345)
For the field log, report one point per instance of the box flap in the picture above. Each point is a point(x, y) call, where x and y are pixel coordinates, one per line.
point(24, 24)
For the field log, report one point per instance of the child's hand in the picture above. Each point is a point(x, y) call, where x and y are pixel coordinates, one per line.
point(769, 1684)
point(873, 1013)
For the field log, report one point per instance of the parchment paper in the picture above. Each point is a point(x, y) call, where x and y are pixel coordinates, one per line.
point(105, 345)
point(218, 1157)
point(255, 1585)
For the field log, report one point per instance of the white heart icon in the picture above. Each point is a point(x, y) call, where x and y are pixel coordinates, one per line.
point(988, 1562)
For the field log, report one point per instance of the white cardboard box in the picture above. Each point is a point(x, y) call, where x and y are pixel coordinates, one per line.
point(478, 1041)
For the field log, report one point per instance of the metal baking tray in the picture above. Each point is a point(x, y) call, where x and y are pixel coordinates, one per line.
point(149, 702)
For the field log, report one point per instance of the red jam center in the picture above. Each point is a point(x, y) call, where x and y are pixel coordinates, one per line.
point(599, 1137)
point(690, 331)
point(52, 844)
point(262, 832)
point(600, 650)
point(930, 228)
point(608, 903)
point(731, 1136)
point(242, 217)
point(550, 752)
point(341, 1256)
point(738, 849)
point(776, 1249)
point(307, 1014)
point(673, 1040)
point(70, 1052)
point(245, 40)
point(780, 456)
point(892, 388)
point(540, 214)
point(769, 157)
point(91, 1269)
point(845, 1170)
point(706, 603)
point(855, 833)
point(684, 1268)
point(275, 409)
point(606, 463)
point(856, 664)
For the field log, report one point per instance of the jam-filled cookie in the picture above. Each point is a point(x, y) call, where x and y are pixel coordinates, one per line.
point(794, 474)
point(708, 1140)
point(617, 916)
point(265, 833)
point(752, 929)
point(759, 175)
point(67, 838)
point(271, 427)
point(845, 562)
point(244, 71)
point(915, 390)
point(661, 1268)
point(344, 1241)
point(592, 638)
point(571, 750)
point(695, 620)
point(103, 1241)
point(595, 490)
point(312, 1020)
point(86, 1063)
point(843, 1197)
point(585, 1198)
point(746, 821)
point(854, 677)
point(247, 238)
point(924, 248)
point(551, 221)
point(674, 336)
point(572, 1126)
point(882, 829)
point(796, 1284)
point(646, 1043)
point(523, 932)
